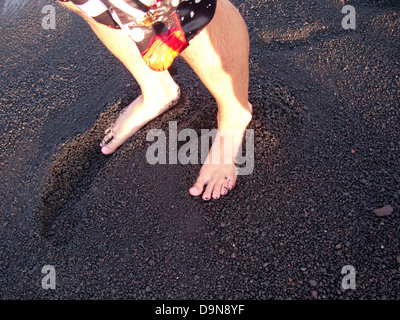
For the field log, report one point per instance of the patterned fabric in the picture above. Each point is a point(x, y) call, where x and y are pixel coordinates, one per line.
point(96, 9)
point(161, 29)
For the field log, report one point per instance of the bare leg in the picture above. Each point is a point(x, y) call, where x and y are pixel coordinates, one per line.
point(159, 90)
point(219, 56)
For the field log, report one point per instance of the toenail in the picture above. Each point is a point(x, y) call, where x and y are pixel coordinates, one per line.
point(107, 140)
point(110, 136)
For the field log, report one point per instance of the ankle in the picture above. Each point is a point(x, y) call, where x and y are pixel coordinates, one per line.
point(240, 121)
point(161, 92)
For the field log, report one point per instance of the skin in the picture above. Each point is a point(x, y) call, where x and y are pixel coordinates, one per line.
point(219, 56)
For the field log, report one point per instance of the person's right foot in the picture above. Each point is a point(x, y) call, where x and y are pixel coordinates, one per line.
point(136, 115)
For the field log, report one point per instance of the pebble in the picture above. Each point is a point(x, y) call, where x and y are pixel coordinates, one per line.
point(313, 283)
point(384, 211)
point(314, 293)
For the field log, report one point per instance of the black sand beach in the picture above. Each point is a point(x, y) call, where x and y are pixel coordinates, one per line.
point(327, 150)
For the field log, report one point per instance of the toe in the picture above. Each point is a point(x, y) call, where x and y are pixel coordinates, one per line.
point(197, 188)
point(224, 187)
point(108, 146)
point(217, 190)
point(231, 183)
point(224, 190)
point(208, 192)
point(107, 143)
point(107, 149)
point(107, 138)
point(113, 141)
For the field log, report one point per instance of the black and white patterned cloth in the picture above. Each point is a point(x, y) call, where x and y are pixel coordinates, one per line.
point(161, 29)
point(194, 15)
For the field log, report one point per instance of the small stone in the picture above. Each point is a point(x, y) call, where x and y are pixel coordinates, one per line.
point(147, 289)
point(313, 283)
point(384, 211)
point(314, 293)
point(398, 258)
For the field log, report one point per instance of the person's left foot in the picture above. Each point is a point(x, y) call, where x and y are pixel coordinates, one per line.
point(219, 178)
point(219, 172)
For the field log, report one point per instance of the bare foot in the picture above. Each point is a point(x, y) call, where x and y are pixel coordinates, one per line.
point(219, 172)
point(136, 115)
point(218, 178)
